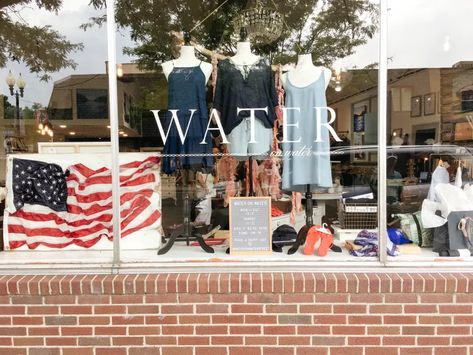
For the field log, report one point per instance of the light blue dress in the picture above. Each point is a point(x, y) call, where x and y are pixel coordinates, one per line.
point(306, 162)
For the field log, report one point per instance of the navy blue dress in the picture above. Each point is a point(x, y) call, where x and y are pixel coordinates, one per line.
point(186, 89)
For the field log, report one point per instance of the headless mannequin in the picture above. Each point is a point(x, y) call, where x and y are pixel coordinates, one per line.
point(187, 59)
point(305, 73)
point(243, 55)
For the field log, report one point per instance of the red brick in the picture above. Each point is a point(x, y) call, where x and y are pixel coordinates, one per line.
point(435, 320)
point(383, 330)
point(177, 329)
point(401, 298)
point(228, 298)
point(18, 351)
point(312, 351)
point(177, 309)
point(418, 330)
point(76, 330)
point(453, 330)
point(76, 309)
point(247, 308)
point(366, 298)
point(128, 340)
point(62, 299)
point(328, 340)
point(192, 319)
point(227, 340)
point(110, 330)
point(210, 350)
point(113, 309)
point(212, 308)
point(364, 319)
point(26, 300)
point(294, 340)
point(177, 350)
point(399, 340)
point(122, 299)
point(144, 330)
point(462, 319)
point(435, 340)
point(436, 298)
point(38, 351)
point(245, 329)
point(353, 329)
point(27, 320)
point(280, 308)
point(94, 320)
point(161, 298)
point(6, 341)
point(78, 350)
point(29, 341)
point(331, 298)
point(313, 329)
point(161, 319)
point(193, 298)
point(343, 351)
point(61, 341)
point(144, 351)
point(265, 298)
point(12, 331)
point(385, 309)
point(366, 340)
point(229, 319)
point(260, 319)
point(261, 340)
point(451, 351)
point(193, 340)
point(110, 351)
point(400, 319)
point(32, 310)
point(455, 309)
point(381, 350)
point(246, 350)
point(211, 329)
point(277, 351)
point(279, 329)
point(415, 351)
point(95, 341)
point(161, 340)
point(329, 319)
point(315, 308)
point(4, 310)
point(128, 319)
point(468, 340)
point(420, 308)
point(43, 330)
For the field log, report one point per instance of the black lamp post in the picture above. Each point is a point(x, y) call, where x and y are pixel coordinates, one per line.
point(20, 83)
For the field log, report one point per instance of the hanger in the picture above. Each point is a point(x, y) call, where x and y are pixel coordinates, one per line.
point(323, 228)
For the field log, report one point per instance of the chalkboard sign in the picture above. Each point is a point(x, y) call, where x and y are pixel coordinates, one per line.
point(250, 225)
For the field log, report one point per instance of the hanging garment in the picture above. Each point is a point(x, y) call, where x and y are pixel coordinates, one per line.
point(246, 87)
point(186, 90)
point(306, 162)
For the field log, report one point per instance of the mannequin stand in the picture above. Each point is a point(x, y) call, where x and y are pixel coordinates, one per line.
point(185, 231)
point(309, 222)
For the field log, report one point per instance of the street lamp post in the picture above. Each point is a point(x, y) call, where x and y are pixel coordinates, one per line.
point(20, 83)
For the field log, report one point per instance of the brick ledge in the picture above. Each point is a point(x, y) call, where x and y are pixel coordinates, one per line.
point(215, 283)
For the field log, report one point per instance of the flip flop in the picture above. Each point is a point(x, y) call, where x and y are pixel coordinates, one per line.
point(325, 244)
point(313, 235)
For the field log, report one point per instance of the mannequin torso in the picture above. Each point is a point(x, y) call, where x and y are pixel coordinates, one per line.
point(306, 73)
point(243, 55)
point(187, 59)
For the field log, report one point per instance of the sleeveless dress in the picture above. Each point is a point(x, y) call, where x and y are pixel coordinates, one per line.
point(306, 162)
point(186, 91)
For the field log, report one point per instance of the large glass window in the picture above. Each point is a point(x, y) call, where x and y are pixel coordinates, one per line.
point(55, 158)
point(429, 162)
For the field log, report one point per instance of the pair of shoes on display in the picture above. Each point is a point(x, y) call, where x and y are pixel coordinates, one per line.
point(315, 234)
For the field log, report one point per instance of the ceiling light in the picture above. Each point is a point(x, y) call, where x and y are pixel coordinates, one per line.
point(125, 135)
point(62, 126)
point(72, 133)
point(108, 127)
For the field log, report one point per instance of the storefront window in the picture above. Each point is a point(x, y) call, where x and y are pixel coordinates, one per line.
point(429, 162)
point(276, 104)
point(55, 158)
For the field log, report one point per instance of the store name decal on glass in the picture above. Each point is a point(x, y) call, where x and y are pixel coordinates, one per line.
point(215, 117)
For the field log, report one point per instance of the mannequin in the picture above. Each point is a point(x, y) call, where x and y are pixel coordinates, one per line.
point(187, 59)
point(305, 91)
point(305, 72)
point(243, 55)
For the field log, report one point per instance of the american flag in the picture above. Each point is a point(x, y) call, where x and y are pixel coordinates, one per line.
point(88, 218)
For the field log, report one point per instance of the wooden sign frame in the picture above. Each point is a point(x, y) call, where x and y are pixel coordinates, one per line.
point(269, 249)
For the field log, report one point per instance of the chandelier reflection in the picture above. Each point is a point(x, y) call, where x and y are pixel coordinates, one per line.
point(263, 24)
point(340, 78)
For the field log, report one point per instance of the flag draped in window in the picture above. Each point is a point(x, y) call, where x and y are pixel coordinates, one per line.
point(86, 217)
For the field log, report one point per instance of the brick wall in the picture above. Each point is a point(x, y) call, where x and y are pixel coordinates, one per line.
point(290, 313)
